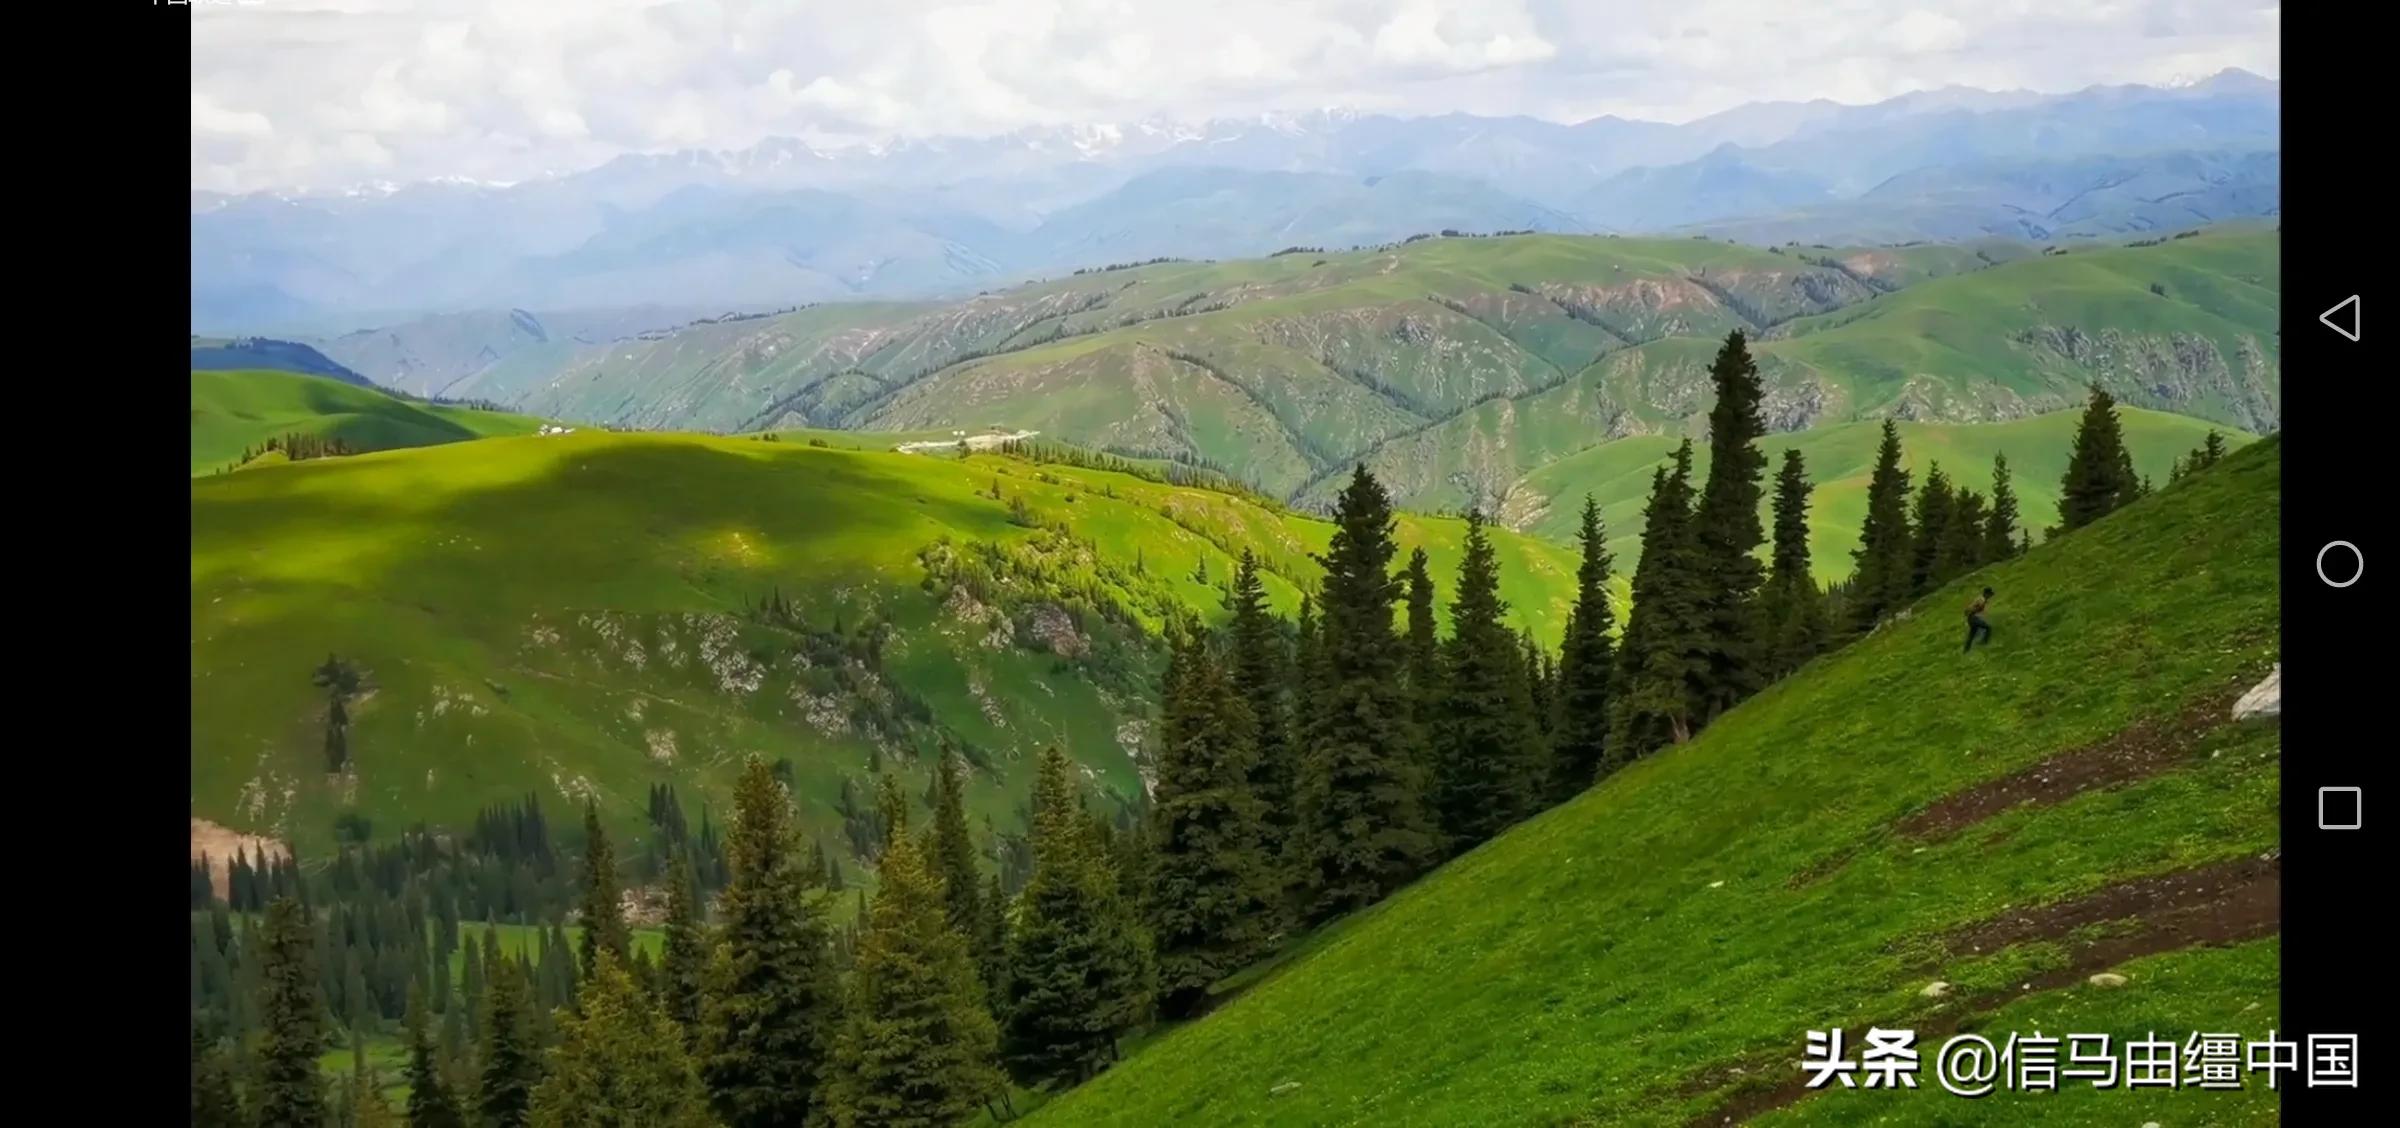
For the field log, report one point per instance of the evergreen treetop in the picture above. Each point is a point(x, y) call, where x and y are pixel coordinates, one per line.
point(1586, 664)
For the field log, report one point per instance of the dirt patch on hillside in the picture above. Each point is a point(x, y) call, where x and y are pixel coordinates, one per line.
point(2214, 904)
point(2152, 747)
point(2222, 903)
point(220, 843)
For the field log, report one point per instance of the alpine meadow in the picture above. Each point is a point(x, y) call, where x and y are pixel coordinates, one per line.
point(860, 593)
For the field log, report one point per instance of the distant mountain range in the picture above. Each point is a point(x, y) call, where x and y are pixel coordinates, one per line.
point(783, 223)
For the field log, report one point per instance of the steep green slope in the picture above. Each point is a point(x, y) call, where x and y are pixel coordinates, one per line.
point(1548, 502)
point(1653, 952)
point(578, 614)
point(233, 411)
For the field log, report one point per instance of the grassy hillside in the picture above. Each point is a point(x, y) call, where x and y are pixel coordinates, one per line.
point(2022, 338)
point(1652, 952)
point(223, 354)
point(233, 411)
point(1840, 459)
point(575, 615)
point(1457, 366)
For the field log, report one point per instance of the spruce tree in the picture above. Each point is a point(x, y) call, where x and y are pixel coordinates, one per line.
point(991, 947)
point(603, 912)
point(1660, 662)
point(1541, 685)
point(1424, 670)
point(215, 1103)
point(2099, 475)
point(288, 1089)
point(430, 1102)
point(1880, 584)
point(471, 989)
point(952, 849)
point(1209, 887)
point(1076, 977)
point(510, 1055)
point(1932, 525)
point(1586, 663)
point(619, 1063)
point(1791, 610)
point(1362, 788)
point(772, 1008)
point(918, 1047)
point(1261, 672)
point(1961, 550)
point(683, 959)
point(1726, 534)
point(2000, 523)
point(1488, 761)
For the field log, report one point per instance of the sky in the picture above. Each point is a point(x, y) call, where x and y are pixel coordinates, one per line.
point(324, 94)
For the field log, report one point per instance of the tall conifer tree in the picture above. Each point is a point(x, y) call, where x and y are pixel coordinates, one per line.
point(917, 1049)
point(1362, 789)
point(1261, 671)
point(1961, 550)
point(510, 1056)
point(1424, 646)
point(683, 960)
point(1792, 610)
point(773, 1004)
point(1931, 525)
point(1076, 976)
point(1660, 663)
point(215, 1103)
point(951, 850)
point(430, 1101)
point(603, 912)
point(619, 1063)
point(2000, 523)
point(1487, 747)
point(2099, 475)
point(1586, 663)
point(1726, 534)
point(1880, 584)
point(288, 1088)
point(1210, 892)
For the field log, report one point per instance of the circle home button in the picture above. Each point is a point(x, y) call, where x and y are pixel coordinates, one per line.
point(2330, 564)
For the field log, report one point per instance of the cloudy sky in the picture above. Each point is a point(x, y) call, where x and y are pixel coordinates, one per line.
point(315, 94)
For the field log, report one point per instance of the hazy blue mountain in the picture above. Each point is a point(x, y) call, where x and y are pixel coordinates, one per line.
point(784, 222)
point(1224, 213)
point(1719, 184)
point(2038, 200)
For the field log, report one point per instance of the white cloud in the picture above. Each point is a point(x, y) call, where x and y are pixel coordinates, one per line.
point(322, 93)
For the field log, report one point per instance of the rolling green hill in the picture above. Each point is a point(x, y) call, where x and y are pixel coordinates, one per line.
point(234, 411)
point(1455, 367)
point(1653, 952)
point(578, 614)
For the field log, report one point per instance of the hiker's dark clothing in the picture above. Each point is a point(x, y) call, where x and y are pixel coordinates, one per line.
point(1976, 625)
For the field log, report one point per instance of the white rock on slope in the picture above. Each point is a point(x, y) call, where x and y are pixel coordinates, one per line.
point(2264, 699)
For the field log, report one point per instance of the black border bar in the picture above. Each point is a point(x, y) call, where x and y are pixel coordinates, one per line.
point(2337, 460)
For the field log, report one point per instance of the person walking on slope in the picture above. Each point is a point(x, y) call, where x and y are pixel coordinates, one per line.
point(1975, 624)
